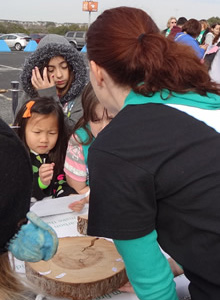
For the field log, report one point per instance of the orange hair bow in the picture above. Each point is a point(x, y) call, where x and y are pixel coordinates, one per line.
point(27, 113)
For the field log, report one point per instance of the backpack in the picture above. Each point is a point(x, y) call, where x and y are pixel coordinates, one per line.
point(210, 55)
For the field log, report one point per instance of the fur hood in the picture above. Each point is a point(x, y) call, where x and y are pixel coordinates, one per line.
point(54, 45)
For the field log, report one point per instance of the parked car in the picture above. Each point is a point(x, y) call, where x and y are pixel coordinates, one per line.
point(76, 38)
point(36, 36)
point(18, 41)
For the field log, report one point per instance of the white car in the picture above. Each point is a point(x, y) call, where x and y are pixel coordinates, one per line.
point(18, 41)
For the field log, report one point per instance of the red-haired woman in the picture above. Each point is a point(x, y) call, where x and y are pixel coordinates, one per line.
point(155, 169)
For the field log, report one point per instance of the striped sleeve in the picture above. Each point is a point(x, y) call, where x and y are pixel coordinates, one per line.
point(74, 165)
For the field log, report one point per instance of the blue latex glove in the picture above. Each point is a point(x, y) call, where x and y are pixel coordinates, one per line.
point(35, 241)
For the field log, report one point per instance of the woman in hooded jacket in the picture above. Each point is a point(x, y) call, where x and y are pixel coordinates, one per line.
point(56, 69)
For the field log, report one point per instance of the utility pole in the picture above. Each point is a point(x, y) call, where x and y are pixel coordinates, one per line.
point(90, 6)
point(89, 22)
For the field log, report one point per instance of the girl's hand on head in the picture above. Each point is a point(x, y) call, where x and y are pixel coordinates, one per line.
point(46, 173)
point(41, 82)
point(78, 205)
point(48, 79)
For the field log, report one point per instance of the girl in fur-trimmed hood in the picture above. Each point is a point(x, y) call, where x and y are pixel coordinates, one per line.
point(56, 69)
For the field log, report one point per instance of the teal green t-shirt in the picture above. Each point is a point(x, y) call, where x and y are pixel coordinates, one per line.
point(210, 102)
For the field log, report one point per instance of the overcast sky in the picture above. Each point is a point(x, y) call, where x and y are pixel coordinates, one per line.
point(71, 10)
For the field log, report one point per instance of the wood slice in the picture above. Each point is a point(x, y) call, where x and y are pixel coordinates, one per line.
point(82, 224)
point(83, 268)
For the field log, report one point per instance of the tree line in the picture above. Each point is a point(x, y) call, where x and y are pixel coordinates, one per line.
point(213, 20)
point(49, 27)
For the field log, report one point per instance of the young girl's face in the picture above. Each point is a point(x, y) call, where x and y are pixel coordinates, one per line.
point(41, 132)
point(102, 119)
point(58, 68)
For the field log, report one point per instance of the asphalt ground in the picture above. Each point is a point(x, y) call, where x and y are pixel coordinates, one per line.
point(10, 68)
point(11, 64)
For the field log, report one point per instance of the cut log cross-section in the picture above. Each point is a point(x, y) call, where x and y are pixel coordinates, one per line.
point(84, 268)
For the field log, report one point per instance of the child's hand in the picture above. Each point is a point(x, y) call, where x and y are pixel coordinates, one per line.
point(78, 205)
point(41, 82)
point(127, 288)
point(46, 173)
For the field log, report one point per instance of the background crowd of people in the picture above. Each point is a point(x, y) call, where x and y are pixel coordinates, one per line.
point(203, 37)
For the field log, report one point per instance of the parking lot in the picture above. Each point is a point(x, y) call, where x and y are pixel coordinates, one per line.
point(10, 69)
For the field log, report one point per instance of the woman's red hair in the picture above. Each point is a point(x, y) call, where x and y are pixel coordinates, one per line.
point(127, 43)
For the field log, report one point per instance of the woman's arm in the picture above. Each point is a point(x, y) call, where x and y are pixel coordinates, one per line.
point(176, 269)
point(147, 268)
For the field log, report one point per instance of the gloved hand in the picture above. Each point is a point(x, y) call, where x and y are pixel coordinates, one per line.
point(35, 241)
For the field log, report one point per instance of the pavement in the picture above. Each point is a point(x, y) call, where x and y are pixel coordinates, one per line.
point(10, 68)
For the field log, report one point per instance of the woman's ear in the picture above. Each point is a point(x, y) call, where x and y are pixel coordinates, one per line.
point(97, 72)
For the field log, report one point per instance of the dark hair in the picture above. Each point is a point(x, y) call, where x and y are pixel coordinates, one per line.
point(89, 103)
point(192, 27)
point(214, 25)
point(216, 38)
point(154, 61)
point(181, 21)
point(46, 106)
